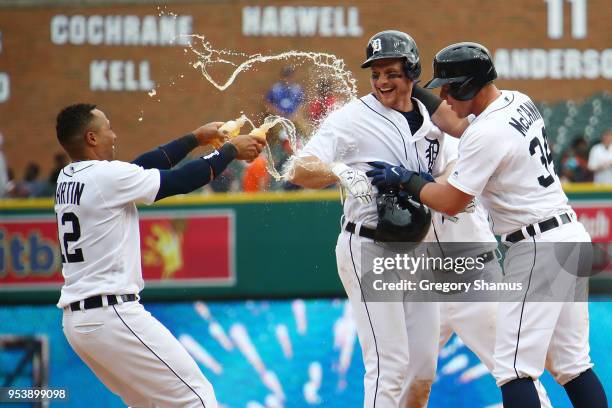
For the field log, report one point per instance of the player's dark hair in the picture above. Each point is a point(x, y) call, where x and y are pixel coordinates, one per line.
point(72, 121)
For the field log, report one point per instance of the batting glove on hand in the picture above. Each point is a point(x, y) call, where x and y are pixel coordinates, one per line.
point(388, 177)
point(354, 181)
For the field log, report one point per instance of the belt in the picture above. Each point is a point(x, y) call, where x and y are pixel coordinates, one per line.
point(96, 301)
point(544, 226)
point(487, 256)
point(363, 231)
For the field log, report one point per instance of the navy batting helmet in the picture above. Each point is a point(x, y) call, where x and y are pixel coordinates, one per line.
point(401, 219)
point(394, 44)
point(466, 67)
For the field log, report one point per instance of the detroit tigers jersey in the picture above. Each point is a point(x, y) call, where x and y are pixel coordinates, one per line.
point(98, 227)
point(464, 227)
point(504, 159)
point(364, 130)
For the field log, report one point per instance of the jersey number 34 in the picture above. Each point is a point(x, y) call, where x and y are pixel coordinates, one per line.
point(545, 158)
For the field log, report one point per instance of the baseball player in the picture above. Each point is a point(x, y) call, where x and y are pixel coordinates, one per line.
point(391, 126)
point(504, 160)
point(473, 321)
point(129, 350)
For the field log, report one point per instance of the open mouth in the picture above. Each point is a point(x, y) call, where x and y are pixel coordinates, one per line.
point(386, 91)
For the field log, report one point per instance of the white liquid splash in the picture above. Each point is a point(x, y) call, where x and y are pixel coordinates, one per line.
point(335, 68)
point(208, 56)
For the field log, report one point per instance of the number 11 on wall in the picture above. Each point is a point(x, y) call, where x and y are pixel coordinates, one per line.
point(578, 18)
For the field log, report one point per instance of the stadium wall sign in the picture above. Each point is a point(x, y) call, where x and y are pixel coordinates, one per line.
point(556, 62)
point(179, 248)
point(165, 30)
point(289, 21)
point(120, 30)
point(5, 87)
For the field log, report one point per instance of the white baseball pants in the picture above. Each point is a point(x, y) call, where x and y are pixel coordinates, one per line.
point(385, 328)
point(136, 357)
point(532, 335)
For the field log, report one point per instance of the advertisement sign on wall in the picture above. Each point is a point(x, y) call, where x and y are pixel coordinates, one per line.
point(176, 248)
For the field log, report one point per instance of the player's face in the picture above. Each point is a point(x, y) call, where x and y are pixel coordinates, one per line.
point(461, 108)
point(390, 85)
point(105, 137)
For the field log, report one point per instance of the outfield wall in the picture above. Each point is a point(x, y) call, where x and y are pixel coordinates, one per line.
point(222, 246)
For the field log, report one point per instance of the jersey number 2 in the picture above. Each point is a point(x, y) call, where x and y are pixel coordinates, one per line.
point(545, 159)
point(77, 255)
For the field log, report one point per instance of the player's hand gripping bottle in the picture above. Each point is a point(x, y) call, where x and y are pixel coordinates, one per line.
point(230, 129)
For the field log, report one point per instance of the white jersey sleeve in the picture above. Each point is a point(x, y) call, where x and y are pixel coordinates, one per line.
point(126, 182)
point(480, 153)
point(328, 140)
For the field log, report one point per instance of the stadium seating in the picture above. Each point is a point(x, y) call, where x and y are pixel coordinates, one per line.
point(569, 119)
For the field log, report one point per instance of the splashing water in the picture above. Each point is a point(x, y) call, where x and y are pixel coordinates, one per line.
point(207, 57)
point(288, 130)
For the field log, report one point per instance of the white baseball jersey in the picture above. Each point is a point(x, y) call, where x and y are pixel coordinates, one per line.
point(98, 227)
point(504, 158)
point(364, 130)
point(464, 227)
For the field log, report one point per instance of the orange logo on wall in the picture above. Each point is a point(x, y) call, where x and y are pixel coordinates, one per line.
point(164, 247)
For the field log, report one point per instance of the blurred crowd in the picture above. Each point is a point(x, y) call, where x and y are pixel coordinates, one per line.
point(581, 163)
point(287, 97)
point(33, 183)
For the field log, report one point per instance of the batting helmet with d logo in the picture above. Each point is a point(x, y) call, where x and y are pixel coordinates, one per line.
point(394, 44)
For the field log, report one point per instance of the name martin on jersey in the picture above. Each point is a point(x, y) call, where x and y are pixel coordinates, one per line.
point(69, 192)
point(528, 113)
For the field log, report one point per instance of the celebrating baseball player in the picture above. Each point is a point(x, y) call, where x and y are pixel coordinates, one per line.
point(466, 234)
point(386, 125)
point(504, 160)
point(129, 350)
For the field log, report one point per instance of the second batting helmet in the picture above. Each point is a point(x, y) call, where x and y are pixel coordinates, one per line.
point(394, 44)
point(466, 67)
point(401, 219)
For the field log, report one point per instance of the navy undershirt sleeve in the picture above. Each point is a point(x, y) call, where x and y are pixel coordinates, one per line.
point(427, 98)
point(168, 155)
point(195, 173)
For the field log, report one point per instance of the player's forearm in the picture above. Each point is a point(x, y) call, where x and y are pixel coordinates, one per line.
point(196, 173)
point(440, 112)
point(168, 155)
point(444, 198)
point(448, 121)
point(310, 172)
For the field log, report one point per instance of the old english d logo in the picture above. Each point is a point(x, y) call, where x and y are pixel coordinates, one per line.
point(376, 46)
point(432, 153)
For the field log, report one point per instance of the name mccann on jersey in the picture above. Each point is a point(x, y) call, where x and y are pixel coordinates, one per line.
point(528, 113)
point(69, 192)
point(445, 287)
